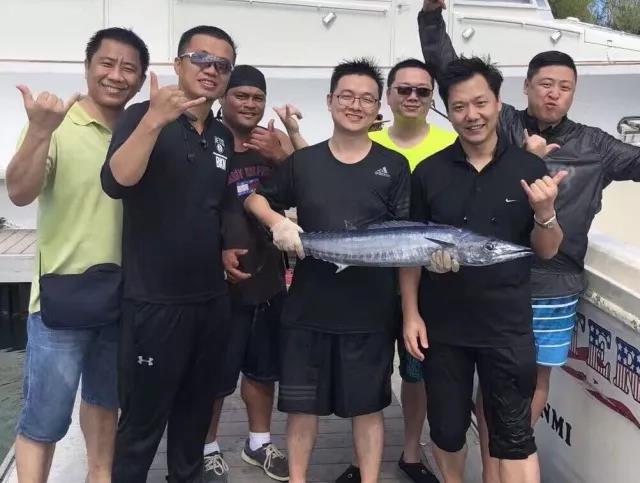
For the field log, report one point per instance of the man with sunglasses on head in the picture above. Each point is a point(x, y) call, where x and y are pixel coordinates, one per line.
point(168, 162)
point(337, 328)
point(409, 94)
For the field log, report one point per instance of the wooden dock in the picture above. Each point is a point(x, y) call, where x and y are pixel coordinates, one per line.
point(331, 455)
point(17, 250)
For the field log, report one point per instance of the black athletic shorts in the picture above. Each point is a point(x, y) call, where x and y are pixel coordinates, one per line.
point(344, 374)
point(253, 346)
point(507, 379)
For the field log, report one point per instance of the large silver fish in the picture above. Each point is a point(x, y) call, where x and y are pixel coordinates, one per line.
point(407, 244)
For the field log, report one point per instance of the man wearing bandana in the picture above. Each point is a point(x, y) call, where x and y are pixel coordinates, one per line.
point(255, 272)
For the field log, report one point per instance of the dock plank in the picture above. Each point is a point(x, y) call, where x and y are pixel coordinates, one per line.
point(25, 246)
point(17, 250)
point(12, 239)
point(331, 456)
point(5, 233)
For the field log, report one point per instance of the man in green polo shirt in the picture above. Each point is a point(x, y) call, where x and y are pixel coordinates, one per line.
point(58, 162)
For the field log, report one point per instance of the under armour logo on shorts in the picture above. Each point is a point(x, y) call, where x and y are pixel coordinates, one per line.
point(142, 360)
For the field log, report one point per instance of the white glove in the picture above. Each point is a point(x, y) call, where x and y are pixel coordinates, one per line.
point(443, 261)
point(286, 236)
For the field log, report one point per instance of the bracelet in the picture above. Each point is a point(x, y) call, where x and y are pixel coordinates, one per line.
point(545, 224)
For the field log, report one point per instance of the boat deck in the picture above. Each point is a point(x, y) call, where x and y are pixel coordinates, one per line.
point(332, 454)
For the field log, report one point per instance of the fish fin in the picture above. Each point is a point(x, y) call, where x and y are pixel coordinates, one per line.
point(396, 224)
point(440, 242)
point(341, 267)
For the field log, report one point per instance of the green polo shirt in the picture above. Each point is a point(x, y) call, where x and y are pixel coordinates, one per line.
point(78, 224)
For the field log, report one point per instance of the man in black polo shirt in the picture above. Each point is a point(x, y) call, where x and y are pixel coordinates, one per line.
point(255, 270)
point(337, 337)
point(168, 162)
point(480, 317)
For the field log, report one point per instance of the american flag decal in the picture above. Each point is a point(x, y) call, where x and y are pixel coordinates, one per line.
point(580, 325)
point(599, 340)
point(628, 369)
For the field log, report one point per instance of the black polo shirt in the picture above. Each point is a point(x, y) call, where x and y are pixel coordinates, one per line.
point(171, 244)
point(478, 306)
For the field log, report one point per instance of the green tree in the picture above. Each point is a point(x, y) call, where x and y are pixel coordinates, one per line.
point(581, 9)
point(625, 15)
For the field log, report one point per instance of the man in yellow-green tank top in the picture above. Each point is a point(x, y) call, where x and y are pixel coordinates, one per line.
point(409, 93)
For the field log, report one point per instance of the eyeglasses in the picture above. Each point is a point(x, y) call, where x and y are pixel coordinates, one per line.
point(347, 99)
point(202, 59)
point(422, 92)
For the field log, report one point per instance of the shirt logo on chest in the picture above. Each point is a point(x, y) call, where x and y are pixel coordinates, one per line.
point(508, 200)
point(221, 162)
point(219, 145)
point(383, 172)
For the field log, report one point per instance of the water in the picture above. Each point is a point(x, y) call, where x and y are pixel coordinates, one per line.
point(13, 337)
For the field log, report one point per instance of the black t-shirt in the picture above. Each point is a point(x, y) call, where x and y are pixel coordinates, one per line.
point(478, 306)
point(171, 246)
point(240, 230)
point(331, 195)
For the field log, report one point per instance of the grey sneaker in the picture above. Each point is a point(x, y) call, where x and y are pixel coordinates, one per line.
point(215, 468)
point(272, 461)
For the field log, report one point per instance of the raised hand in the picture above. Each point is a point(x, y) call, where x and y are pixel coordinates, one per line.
point(47, 111)
point(538, 145)
point(431, 5)
point(266, 142)
point(289, 115)
point(542, 194)
point(169, 102)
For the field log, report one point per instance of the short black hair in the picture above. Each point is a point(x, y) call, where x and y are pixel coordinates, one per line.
point(209, 30)
point(411, 63)
point(465, 68)
point(550, 57)
point(361, 66)
point(125, 36)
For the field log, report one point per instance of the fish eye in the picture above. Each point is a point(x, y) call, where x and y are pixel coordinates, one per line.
point(490, 246)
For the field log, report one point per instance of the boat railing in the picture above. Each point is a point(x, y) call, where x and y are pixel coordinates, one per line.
point(629, 129)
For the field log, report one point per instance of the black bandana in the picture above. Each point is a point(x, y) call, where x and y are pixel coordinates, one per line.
point(247, 75)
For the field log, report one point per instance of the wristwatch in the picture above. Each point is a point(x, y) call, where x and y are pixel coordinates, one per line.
point(547, 225)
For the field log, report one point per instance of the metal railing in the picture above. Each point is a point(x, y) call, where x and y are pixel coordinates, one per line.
point(629, 129)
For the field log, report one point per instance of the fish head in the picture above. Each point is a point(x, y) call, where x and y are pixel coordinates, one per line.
point(479, 250)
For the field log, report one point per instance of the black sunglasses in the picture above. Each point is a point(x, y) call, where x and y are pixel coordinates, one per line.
point(202, 59)
point(422, 92)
